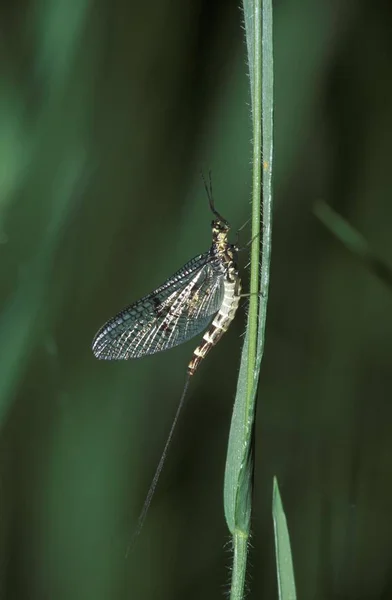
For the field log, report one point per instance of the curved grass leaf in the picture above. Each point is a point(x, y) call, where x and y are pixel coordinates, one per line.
point(239, 463)
point(354, 241)
point(284, 561)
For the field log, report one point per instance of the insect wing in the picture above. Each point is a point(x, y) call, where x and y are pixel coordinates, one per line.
point(174, 313)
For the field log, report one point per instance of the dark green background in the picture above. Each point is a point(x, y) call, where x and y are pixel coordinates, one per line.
point(108, 111)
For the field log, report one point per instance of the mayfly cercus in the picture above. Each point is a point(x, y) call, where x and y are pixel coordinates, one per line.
point(206, 288)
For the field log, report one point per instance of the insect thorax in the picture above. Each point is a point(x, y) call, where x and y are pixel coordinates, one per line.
point(227, 258)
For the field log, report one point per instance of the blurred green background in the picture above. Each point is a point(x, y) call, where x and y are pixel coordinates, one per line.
point(108, 111)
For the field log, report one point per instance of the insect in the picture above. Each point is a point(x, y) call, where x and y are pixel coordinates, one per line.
point(205, 289)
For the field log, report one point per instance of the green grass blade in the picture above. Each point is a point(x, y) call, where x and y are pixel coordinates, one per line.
point(239, 463)
point(353, 240)
point(284, 561)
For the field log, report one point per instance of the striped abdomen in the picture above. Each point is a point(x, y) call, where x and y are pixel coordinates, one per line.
point(220, 324)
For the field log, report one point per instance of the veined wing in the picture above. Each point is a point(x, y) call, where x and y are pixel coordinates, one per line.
point(175, 312)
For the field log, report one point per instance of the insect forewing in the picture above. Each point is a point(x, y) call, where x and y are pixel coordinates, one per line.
point(175, 312)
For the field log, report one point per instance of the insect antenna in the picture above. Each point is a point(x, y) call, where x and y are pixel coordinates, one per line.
point(210, 197)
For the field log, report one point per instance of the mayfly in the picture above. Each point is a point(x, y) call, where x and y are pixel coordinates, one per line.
point(205, 289)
